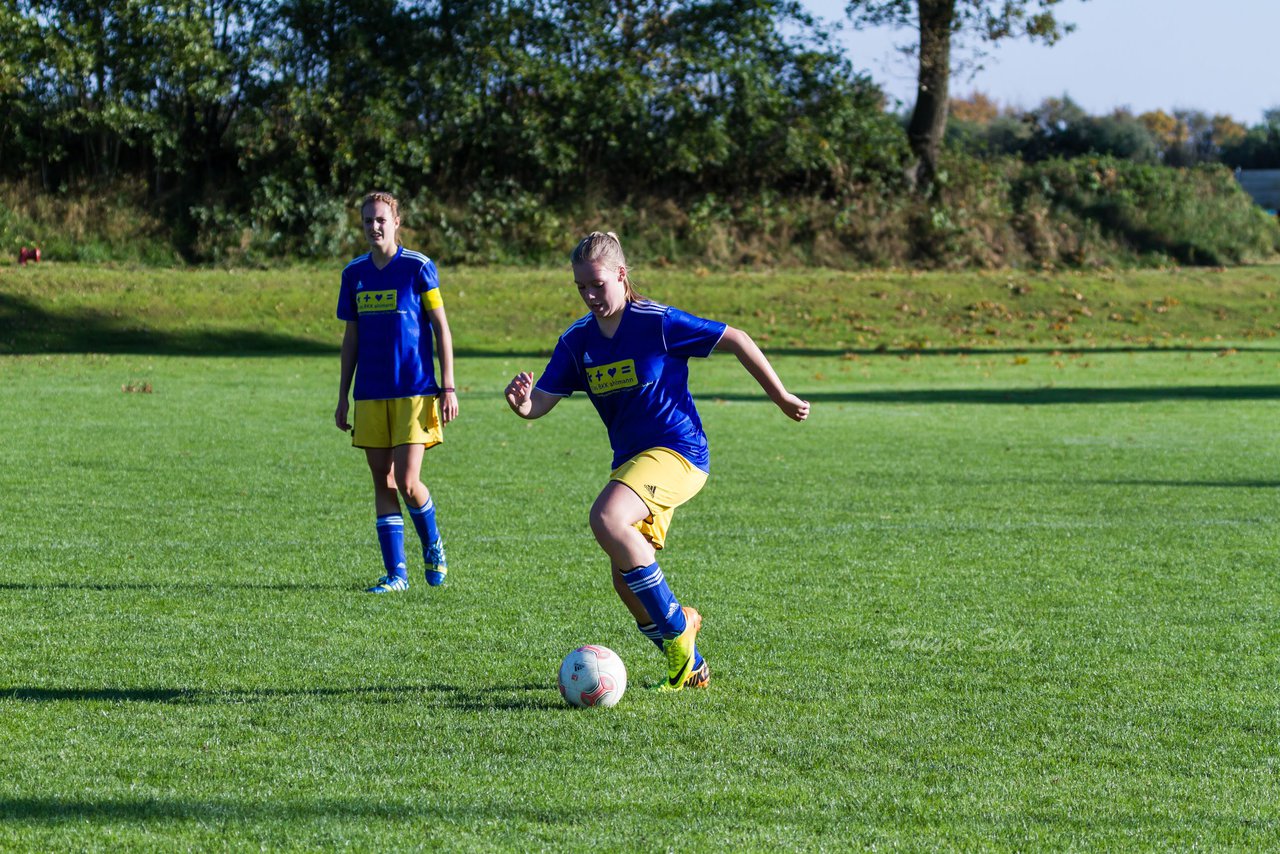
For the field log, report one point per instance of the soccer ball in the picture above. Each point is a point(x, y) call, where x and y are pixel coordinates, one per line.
point(592, 676)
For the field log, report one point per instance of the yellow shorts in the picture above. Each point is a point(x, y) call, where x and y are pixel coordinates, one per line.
point(664, 480)
point(402, 421)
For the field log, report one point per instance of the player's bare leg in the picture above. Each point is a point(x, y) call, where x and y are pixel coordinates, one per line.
point(385, 498)
point(613, 519)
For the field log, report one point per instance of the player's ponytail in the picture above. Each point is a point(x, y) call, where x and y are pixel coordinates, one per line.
point(605, 246)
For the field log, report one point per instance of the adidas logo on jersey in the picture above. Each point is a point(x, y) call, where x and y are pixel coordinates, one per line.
point(652, 490)
point(586, 358)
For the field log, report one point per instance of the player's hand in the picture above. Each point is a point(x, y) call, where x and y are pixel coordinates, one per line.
point(519, 392)
point(448, 406)
point(795, 408)
point(340, 415)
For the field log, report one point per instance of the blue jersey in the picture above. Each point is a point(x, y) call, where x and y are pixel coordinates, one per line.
point(639, 378)
point(394, 355)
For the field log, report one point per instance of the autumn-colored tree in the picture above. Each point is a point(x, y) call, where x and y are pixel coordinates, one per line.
point(976, 108)
point(1167, 130)
point(1188, 137)
point(938, 22)
point(1227, 131)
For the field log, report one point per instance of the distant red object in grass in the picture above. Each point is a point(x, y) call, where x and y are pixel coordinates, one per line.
point(25, 255)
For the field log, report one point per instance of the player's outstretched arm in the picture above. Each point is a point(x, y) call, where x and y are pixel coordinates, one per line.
point(741, 345)
point(527, 401)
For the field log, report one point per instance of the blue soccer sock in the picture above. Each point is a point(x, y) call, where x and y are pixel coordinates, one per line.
point(424, 521)
point(651, 632)
point(650, 587)
point(391, 541)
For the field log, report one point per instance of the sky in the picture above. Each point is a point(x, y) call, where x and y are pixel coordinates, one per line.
point(1218, 56)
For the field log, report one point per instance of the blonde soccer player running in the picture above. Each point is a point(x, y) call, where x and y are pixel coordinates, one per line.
point(630, 355)
point(390, 300)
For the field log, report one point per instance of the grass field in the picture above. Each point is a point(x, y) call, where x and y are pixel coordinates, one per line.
point(1015, 596)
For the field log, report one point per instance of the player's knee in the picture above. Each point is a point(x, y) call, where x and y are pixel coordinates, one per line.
point(607, 525)
point(413, 490)
point(596, 519)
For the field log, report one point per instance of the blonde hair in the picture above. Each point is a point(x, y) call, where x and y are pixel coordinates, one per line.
point(387, 199)
point(606, 247)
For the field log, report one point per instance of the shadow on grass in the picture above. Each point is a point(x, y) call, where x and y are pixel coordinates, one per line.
point(1206, 484)
point(27, 328)
point(494, 698)
point(79, 810)
point(157, 587)
point(1019, 350)
point(1029, 397)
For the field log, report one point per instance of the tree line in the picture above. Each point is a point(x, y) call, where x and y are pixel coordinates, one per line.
point(1059, 127)
point(278, 107)
point(270, 117)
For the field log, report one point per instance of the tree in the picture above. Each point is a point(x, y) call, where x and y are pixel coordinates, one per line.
point(1188, 137)
point(1259, 148)
point(977, 108)
point(938, 22)
point(1168, 131)
point(1226, 131)
point(268, 116)
point(1061, 128)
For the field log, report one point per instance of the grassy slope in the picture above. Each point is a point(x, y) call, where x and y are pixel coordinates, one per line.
point(78, 308)
point(1026, 598)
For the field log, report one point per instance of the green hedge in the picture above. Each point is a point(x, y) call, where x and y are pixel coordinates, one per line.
point(1085, 212)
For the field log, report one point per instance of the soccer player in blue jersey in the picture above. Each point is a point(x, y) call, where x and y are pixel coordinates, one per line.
point(390, 299)
point(630, 355)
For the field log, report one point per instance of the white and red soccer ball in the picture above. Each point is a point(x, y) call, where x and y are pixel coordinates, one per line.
point(592, 675)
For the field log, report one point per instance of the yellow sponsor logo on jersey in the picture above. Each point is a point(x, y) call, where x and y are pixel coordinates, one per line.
point(367, 301)
point(602, 379)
